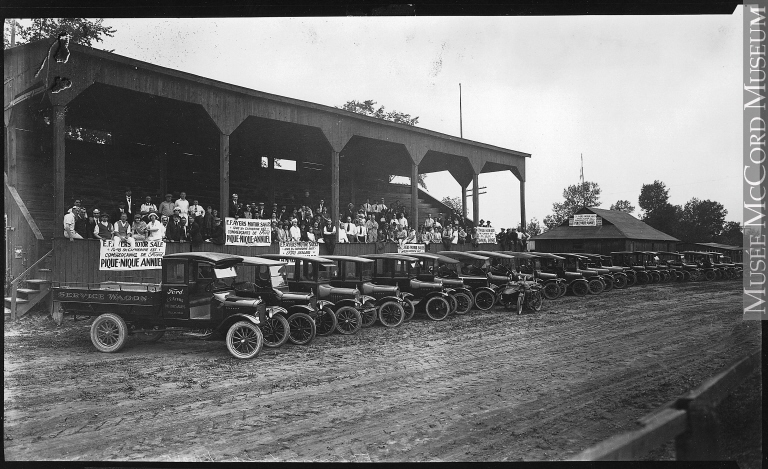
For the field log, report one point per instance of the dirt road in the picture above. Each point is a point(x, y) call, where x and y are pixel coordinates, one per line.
point(483, 387)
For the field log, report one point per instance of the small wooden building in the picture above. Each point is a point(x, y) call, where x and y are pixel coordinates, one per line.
point(599, 231)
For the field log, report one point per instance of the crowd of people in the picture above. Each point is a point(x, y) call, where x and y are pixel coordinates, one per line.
point(185, 220)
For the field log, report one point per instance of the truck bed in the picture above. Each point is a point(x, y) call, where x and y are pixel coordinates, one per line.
point(117, 293)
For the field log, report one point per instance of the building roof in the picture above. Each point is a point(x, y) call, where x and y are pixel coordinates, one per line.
point(726, 247)
point(620, 225)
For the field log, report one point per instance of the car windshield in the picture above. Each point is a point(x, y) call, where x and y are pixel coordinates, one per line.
point(350, 271)
point(367, 269)
point(224, 278)
point(277, 276)
point(326, 271)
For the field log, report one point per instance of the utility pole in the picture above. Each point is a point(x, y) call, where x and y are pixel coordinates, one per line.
point(461, 125)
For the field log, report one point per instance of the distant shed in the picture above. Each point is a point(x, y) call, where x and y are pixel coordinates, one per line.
point(594, 230)
point(734, 252)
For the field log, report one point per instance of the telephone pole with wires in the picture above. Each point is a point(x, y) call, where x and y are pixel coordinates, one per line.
point(582, 169)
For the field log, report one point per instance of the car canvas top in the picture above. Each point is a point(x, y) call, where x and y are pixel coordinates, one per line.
point(218, 259)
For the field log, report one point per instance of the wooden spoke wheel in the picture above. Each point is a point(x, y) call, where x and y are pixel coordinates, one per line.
point(551, 290)
point(326, 322)
point(391, 314)
point(437, 308)
point(596, 286)
point(580, 288)
point(463, 302)
point(348, 320)
point(302, 328)
point(368, 315)
point(620, 282)
point(484, 300)
point(275, 331)
point(409, 309)
point(244, 340)
point(109, 333)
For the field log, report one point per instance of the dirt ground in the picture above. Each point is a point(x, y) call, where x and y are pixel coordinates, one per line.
point(482, 387)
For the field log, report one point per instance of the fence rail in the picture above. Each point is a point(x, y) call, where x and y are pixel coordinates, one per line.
point(691, 419)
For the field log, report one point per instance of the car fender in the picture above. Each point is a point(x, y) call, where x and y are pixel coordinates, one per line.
point(406, 295)
point(579, 280)
point(323, 303)
point(364, 298)
point(384, 299)
point(300, 309)
point(348, 302)
point(490, 290)
point(433, 294)
point(273, 310)
point(229, 320)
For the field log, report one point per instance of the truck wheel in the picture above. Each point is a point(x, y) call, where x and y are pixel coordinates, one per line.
point(109, 333)
point(275, 331)
point(391, 314)
point(596, 286)
point(244, 340)
point(302, 328)
point(409, 309)
point(326, 322)
point(368, 315)
point(348, 320)
point(437, 308)
point(463, 302)
point(484, 300)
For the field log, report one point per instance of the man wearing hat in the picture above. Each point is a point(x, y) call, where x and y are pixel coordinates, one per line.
point(274, 213)
point(147, 206)
point(121, 230)
point(104, 228)
point(121, 208)
point(235, 208)
point(81, 223)
point(130, 207)
point(173, 230)
point(501, 240)
point(139, 228)
point(261, 214)
point(217, 233)
point(167, 206)
point(93, 224)
point(155, 229)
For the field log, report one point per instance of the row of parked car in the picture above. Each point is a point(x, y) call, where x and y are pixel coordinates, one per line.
point(269, 300)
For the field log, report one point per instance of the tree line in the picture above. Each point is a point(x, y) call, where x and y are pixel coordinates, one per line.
point(698, 221)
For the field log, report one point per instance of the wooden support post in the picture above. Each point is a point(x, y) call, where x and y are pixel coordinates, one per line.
point(335, 188)
point(271, 173)
point(415, 196)
point(700, 442)
point(60, 205)
point(522, 204)
point(352, 178)
point(464, 201)
point(11, 142)
point(223, 175)
point(475, 200)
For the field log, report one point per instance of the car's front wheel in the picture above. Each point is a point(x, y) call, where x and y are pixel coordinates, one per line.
point(244, 340)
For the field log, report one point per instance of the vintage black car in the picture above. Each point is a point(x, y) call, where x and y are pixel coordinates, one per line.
point(634, 261)
point(675, 261)
point(501, 265)
point(613, 277)
point(428, 270)
point(543, 268)
point(313, 274)
point(299, 317)
point(471, 269)
point(196, 293)
point(554, 264)
point(607, 261)
point(357, 272)
point(402, 270)
point(728, 269)
point(576, 263)
point(705, 262)
point(658, 271)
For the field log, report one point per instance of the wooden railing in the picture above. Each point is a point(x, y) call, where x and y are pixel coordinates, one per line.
point(21, 279)
point(21, 232)
point(691, 420)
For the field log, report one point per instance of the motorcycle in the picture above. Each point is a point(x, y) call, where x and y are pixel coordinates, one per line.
point(521, 292)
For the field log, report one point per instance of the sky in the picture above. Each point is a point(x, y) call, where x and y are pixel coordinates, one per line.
point(642, 98)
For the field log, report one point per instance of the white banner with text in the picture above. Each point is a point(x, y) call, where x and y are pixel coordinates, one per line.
point(300, 248)
point(143, 255)
point(247, 232)
point(410, 247)
point(486, 235)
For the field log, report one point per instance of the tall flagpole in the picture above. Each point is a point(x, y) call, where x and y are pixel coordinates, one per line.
point(461, 125)
point(582, 169)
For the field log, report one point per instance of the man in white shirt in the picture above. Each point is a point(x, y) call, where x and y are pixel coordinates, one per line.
point(367, 207)
point(351, 230)
point(295, 231)
point(402, 221)
point(69, 225)
point(130, 209)
point(197, 208)
point(429, 222)
point(147, 206)
point(183, 204)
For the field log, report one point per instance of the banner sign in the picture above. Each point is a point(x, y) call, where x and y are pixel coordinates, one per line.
point(486, 235)
point(247, 232)
point(300, 248)
point(589, 219)
point(122, 256)
point(410, 247)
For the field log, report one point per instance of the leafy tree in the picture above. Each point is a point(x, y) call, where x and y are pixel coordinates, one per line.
point(533, 227)
point(368, 108)
point(732, 234)
point(658, 212)
point(701, 221)
point(623, 206)
point(580, 195)
point(81, 30)
point(454, 203)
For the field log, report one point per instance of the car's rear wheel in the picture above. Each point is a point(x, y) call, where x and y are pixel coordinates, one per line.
point(302, 328)
point(463, 302)
point(368, 314)
point(109, 333)
point(563, 289)
point(686, 276)
point(325, 323)
point(620, 282)
point(596, 286)
point(631, 280)
point(709, 275)
point(409, 308)
point(391, 314)
point(551, 290)
point(484, 300)
point(580, 288)
point(348, 320)
point(608, 283)
point(437, 308)
point(275, 331)
point(655, 277)
point(244, 340)
point(643, 278)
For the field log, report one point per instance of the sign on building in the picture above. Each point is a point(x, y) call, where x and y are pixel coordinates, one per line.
point(300, 248)
point(143, 255)
point(486, 235)
point(587, 219)
point(410, 247)
point(247, 232)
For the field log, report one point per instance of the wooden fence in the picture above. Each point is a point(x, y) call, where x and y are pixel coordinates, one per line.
point(78, 260)
point(691, 420)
